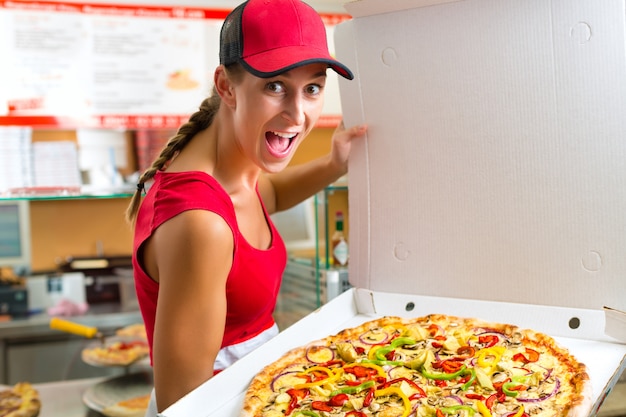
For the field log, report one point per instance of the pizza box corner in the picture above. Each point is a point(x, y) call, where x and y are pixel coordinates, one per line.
point(491, 181)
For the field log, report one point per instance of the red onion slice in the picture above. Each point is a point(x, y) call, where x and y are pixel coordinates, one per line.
point(319, 354)
point(372, 337)
point(277, 377)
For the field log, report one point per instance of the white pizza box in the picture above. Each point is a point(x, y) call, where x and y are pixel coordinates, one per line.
point(491, 181)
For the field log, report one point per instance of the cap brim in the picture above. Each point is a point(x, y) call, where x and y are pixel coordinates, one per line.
point(278, 61)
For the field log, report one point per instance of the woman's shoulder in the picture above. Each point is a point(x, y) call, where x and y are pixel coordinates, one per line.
point(180, 191)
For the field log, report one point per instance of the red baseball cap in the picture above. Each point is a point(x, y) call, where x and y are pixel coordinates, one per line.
point(269, 37)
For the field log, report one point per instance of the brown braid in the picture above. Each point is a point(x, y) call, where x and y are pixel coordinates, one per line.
point(198, 121)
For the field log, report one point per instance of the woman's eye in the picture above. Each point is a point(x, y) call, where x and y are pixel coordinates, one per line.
point(275, 87)
point(314, 89)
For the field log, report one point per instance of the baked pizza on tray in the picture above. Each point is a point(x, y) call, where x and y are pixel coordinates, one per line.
point(116, 353)
point(431, 366)
point(20, 400)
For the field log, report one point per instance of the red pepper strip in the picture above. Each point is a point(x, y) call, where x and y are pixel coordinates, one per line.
point(499, 396)
point(355, 413)
point(369, 397)
point(440, 413)
point(332, 362)
point(451, 366)
point(351, 383)
point(387, 384)
point(466, 351)
point(433, 329)
point(361, 371)
point(488, 340)
point(321, 406)
point(498, 385)
point(441, 383)
point(338, 400)
point(533, 356)
point(360, 350)
point(296, 395)
point(417, 396)
point(474, 396)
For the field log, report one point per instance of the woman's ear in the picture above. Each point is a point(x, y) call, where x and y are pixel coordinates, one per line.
point(224, 86)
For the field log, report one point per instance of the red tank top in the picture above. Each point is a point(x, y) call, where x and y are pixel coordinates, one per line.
point(254, 279)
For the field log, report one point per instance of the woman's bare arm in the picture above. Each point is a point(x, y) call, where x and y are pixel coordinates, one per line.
point(194, 258)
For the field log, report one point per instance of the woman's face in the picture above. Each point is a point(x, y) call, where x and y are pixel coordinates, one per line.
point(273, 115)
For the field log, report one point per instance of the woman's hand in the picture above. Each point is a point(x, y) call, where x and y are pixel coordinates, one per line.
point(342, 142)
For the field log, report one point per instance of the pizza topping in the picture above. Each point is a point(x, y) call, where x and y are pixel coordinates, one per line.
point(374, 337)
point(320, 354)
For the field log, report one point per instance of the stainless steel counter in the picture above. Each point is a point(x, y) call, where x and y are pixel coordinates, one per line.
point(31, 351)
point(65, 398)
point(103, 316)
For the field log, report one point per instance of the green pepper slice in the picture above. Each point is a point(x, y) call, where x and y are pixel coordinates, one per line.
point(401, 341)
point(353, 390)
point(469, 383)
point(381, 354)
point(444, 376)
point(383, 362)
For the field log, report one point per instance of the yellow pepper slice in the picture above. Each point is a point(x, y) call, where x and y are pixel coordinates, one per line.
point(332, 376)
point(397, 391)
point(519, 412)
point(482, 409)
point(488, 358)
point(371, 355)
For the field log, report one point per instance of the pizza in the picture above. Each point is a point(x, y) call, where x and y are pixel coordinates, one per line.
point(132, 407)
point(116, 353)
point(21, 400)
point(133, 331)
point(431, 366)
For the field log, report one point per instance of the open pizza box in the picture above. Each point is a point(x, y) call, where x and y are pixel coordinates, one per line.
point(491, 184)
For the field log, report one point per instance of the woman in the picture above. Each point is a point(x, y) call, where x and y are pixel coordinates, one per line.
point(204, 243)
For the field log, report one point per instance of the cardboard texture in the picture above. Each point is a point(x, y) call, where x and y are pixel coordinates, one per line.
point(495, 157)
point(491, 181)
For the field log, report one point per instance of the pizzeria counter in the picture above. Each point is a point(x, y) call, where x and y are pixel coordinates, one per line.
point(31, 351)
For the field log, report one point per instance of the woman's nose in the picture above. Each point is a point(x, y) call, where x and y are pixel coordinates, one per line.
point(295, 110)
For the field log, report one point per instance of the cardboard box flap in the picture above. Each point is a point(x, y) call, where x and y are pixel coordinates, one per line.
point(494, 163)
point(615, 323)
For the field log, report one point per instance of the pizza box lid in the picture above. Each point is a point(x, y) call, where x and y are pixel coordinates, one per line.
point(494, 164)
point(490, 183)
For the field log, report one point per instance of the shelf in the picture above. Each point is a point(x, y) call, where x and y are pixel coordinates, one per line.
point(65, 194)
point(69, 197)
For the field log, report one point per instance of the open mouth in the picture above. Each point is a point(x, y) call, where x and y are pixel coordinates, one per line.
point(279, 143)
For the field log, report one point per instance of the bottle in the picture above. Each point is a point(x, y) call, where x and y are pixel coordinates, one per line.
point(339, 244)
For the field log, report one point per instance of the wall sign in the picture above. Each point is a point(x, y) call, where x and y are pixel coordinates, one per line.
point(113, 66)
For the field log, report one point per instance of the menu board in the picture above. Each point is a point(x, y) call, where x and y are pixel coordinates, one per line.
point(99, 65)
